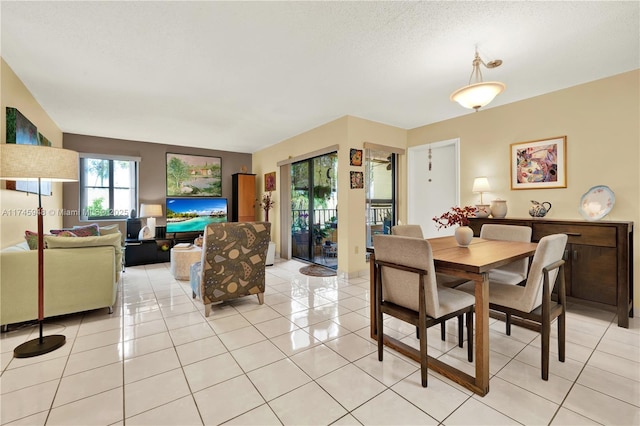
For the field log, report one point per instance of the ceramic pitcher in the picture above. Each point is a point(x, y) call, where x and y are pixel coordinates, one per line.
point(539, 209)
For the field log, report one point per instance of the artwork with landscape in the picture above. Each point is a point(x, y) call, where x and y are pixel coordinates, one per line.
point(193, 176)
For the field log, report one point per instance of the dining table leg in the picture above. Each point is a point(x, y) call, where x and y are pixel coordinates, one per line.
point(482, 332)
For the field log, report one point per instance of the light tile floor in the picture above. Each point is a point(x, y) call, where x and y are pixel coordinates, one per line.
point(304, 357)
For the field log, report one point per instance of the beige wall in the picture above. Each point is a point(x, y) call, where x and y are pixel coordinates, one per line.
point(601, 120)
point(14, 222)
point(152, 172)
point(347, 132)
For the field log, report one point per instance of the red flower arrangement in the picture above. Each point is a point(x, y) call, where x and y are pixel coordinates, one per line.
point(455, 216)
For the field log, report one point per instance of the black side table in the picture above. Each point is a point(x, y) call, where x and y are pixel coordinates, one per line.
point(143, 252)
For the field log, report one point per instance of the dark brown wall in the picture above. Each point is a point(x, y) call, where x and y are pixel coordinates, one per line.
point(152, 173)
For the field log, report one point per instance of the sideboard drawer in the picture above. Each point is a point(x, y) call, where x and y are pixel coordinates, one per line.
point(604, 236)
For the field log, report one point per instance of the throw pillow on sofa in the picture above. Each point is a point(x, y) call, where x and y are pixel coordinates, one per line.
point(92, 230)
point(32, 239)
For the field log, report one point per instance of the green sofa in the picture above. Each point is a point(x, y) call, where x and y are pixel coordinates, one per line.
point(80, 274)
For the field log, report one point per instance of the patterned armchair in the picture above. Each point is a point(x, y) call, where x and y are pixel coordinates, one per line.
point(233, 262)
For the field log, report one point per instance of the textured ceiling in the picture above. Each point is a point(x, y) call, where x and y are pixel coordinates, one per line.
point(241, 76)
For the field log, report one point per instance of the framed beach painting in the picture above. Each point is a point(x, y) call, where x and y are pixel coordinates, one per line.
point(193, 176)
point(539, 164)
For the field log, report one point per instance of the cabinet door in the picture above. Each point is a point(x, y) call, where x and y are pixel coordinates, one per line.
point(594, 273)
point(246, 198)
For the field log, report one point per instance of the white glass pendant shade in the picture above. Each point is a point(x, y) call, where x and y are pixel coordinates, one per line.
point(477, 95)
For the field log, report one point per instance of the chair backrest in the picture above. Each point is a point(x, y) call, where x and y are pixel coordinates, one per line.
point(401, 287)
point(234, 260)
point(550, 249)
point(414, 231)
point(509, 233)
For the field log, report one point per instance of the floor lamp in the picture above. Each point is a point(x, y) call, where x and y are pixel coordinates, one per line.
point(33, 162)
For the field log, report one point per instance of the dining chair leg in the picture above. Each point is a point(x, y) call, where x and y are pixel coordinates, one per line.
point(443, 330)
point(561, 337)
point(417, 332)
point(460, 331)
point(508, 325)
point(545, 330)
point(423, 357)
point(470, 336)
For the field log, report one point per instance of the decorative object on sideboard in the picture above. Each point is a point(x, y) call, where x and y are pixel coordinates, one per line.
point(151, 212)
point(458, 216)
point(499, 208)
point(539, 209)
point(481, 185)
point(539, 164)
point(39, 163)
point(479, 93)
point(597, 202)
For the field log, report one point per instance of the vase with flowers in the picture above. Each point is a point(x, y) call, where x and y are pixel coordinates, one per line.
point(458, 216)
point(266, 204)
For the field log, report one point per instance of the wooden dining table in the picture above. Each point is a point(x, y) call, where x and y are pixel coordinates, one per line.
point(473, 263)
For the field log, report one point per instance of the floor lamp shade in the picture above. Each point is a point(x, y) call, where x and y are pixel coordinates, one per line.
point(22, 162)
point(33, 162)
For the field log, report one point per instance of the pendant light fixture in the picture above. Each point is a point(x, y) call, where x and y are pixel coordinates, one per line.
point(479, 93)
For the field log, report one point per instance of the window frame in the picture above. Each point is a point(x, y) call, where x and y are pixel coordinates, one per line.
point(83, 188)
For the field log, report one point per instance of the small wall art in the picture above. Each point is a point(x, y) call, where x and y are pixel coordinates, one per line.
point(21, 131)
point(270, 181)
point(357, 180)
point(355, 156)
point(539, 164)
point(193, 176)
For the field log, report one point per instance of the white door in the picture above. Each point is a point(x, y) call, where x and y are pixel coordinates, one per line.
point(433, 192)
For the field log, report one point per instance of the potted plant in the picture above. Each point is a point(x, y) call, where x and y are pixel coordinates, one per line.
point(458, 216)
point(319, 233)
point(266, 204)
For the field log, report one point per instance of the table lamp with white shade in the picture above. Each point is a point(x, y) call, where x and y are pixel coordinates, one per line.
point(151, 211)
point(33, 162)
point(481, 184)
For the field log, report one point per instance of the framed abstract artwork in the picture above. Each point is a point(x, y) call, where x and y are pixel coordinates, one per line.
point(539, 164)
point(357, 180)
point(355, 157)
point(193, 176)
point(270, 181)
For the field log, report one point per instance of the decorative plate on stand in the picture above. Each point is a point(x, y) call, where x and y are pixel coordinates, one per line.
point(597, 202)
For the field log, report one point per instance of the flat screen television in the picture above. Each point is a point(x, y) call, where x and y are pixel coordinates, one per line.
point(194, 213)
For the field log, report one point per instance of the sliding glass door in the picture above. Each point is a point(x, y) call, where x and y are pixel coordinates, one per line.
point(380, 189)
point(314, 229)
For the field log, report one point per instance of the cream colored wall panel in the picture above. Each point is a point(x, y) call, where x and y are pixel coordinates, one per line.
point(12, 203)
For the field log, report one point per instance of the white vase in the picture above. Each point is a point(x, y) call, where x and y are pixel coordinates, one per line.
point(483, 210)
point(463, 235)
point(499, 208)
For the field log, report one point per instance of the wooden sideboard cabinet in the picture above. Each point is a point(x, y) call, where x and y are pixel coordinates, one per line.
point(598, 258)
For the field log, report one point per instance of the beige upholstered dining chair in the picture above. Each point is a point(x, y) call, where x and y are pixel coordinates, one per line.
point(515, 272)
point(415, 231)
point(533, 301)
point(233, 262)
point(405, 288)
